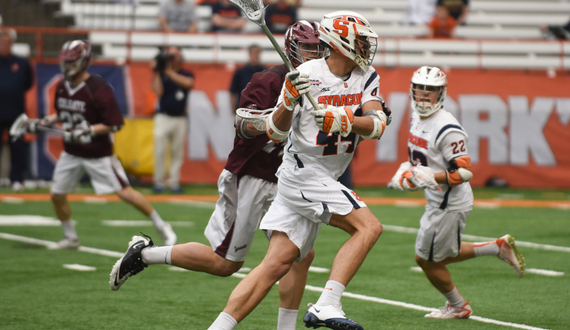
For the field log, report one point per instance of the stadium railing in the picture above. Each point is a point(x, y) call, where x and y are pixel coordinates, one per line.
point(121, 46)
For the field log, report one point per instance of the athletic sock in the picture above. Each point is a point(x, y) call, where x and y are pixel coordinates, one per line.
point(156, 220)
point(69, 229)
point(287, 319)
point(331, 294)
point(454, 298)
point(157, 255)
point(224, 322)
point(486, 249)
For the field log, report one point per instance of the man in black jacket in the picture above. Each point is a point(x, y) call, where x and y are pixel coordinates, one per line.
point(15, 79)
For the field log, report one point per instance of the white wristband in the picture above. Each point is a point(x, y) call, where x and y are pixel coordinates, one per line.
point(274, 133)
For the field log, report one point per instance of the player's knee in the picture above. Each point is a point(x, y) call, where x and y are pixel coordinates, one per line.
point(228, 268)
point(374, 228)
point(276, 268)
point(58, 198)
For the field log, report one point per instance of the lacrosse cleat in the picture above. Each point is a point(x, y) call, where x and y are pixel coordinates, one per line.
point(330, 316)
point(131, 263)
point(167, 234)
point(65, 243)
point(451, 312)
point(509, 253)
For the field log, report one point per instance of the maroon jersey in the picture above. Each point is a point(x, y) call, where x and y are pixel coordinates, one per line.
point(94, 101)
point(259, 157)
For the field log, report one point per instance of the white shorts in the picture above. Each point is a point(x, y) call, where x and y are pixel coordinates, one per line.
point(440, 232)
point(307, 198)
point(238, 212)
point(106, 173)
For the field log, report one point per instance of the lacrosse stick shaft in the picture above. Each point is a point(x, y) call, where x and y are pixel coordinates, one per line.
point(285, 60)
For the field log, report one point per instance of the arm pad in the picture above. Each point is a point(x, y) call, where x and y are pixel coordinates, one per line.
point(379, 118)
point(459, 171)
point(274, 133)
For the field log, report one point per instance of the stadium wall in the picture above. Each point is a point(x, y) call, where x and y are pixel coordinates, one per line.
point(517, 123)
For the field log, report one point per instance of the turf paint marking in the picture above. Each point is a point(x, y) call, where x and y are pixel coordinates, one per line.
point(544, 272)
point(141, 223)
point(12, 200)
point(408, 230)
point(94, 200)
point(242, 270)
point(528, 270)
point(308, 287)
point(81, 268)
point(28, 220)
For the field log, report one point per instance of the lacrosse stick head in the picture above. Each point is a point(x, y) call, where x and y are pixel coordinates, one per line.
point(253, 10)
point(19, 127)
point(256, 117)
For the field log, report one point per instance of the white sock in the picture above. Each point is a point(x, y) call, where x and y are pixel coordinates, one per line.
point(156, 219)
point(287, 319)
point(454, 298)
point(69, 229)
point(224, 322)
point(157, 255)
point(486, 249)
point(331, 294)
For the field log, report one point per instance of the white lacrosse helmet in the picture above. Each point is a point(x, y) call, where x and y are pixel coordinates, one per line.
point(427, 81)
point(349, 33)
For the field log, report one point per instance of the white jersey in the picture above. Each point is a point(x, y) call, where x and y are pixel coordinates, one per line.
point(310, 147)
point(433, 142)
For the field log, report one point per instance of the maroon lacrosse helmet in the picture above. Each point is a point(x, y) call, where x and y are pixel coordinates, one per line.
point(303, 36)
point(74, 58)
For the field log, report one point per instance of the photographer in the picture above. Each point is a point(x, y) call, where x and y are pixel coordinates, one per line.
point(171, 84)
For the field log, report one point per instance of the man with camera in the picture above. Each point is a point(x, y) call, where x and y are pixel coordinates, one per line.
point(171, 84)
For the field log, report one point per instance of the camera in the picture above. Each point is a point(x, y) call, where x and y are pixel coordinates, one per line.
point(162, 60)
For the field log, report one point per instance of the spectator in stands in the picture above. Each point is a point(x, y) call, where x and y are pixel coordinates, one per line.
point(243, 76)
point(226, 17)
point(171, 84)
point(178, 15)
point(442, 25)
point(556, 31)
point(458, 9)
point(279, 15)
point(16, 77)
point(419, 12)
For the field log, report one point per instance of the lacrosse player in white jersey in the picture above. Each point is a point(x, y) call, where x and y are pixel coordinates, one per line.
point(440, 164)
point(320, 145)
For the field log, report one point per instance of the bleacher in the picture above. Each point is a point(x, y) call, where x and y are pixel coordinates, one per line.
point(513, 26)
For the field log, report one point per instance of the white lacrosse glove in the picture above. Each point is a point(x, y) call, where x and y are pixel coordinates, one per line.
point(32, 125)
point(82, 133)
point(422, 177)
point(387, 112)
point(396, 182)
point(332, 119)
point(296, 85)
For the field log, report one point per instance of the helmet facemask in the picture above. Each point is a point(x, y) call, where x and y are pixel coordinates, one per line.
point(427, 91)
point(74, 58)
point(302, 52)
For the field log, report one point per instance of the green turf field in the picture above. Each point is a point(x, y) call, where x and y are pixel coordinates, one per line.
point(37, 292)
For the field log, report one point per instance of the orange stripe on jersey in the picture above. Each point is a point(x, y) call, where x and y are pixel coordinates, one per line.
point(417, 141)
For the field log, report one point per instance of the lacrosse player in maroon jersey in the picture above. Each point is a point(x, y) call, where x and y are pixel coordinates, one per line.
point(440, 164)
point(247, 187)
point(88, 112)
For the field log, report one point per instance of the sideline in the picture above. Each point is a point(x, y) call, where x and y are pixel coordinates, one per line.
point(11, 198)
point(307, 287)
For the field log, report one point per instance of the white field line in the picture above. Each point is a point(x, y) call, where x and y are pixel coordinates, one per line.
point(94, 200)
point(141, 223)
point(408, 230)
point(78, 267)
point(528, 270)
point(308, 287)
point(28, 220)
point(544, 272)
point(12, 200)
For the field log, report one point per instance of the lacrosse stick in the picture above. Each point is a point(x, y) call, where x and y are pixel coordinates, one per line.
point(256, 117)
point(20, 127)
point(255, 12)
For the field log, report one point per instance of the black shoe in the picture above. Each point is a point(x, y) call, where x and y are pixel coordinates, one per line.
point(131, 263)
